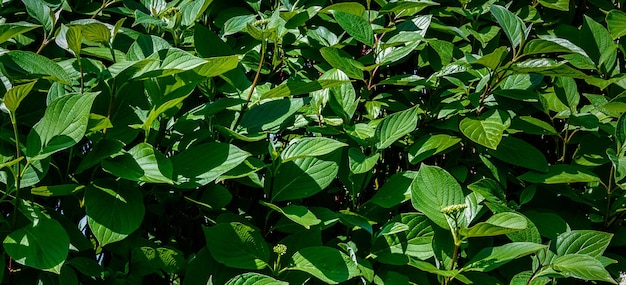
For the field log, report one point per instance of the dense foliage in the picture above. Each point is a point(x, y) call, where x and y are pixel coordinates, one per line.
point(312, 142)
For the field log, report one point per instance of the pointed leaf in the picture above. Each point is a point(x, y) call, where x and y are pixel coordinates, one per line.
point(201, 164)
point(434, 189)
point(592, 243)
point(114, 210)
point(487, 130)
point(325, 263)
point(290, 88)
point(511, 24)
point(361, 163)
point(10, 30)
point(252, 278)
point(237, 245)
point(96, 32)
point(396, 126)
point(427, 146)
point(30, 63)
point(356, 26)
point(561, 173)
point(63, 125)
point(304, 177)
point(396, 190)
point(498, 224)
point(616, 22)
point(309, 147)
point(142, 163)
point(491, 258)
point(298, 214)
point(561, 5)
point(15, 95)
point(269, 115)
point(342, 61)
point(581, 266)
point(518, 152)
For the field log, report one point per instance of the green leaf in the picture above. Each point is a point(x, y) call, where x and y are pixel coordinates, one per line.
point(486, 130)
point(201, 164)
point(56, 190)
point(361, 163)
point(561, 5)
point(342, 99)
point(191, 11)
point(40, 12)
point(498, 224)
point(620, 132)
point(325, 263)
point(142, 163)
point(342, 61)
point(167, 62)
point(10, 30)
point(114, 209)
point(304, 177)
point(581, 266)
point(269, 115)
point(298, 214)
point(525, 277)
point(43, 245)
point(592, 243)
point(74, 39)
point(548, 67)
point(356, 26)
point(396, 190)
point(310, 147)
point(491, 258)
point(429, 145)
point(434, 189)
point(215, 66)
point(252, 278)
point(237, 245)
point(353, 220)
point(15, 95)
point(511, 24)
point(63, 125)
point(398, 7)
point(30, 63)
point(396, 126)
point(354, 8)
point(168, 101)
point(291, 88)
point(566, 90)
point(518, 152)
point(96, 32)
point(550, 45)
point(494, 59)
point(146, 260)
point(396, 246)
point(561, 173)
point(616, 22)
point(599, 44)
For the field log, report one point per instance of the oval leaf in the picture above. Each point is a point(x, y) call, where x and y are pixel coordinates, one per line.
point(356, 26)
point(304, 177)
point(237, 245)
point(308, 147)
point(486, 130)
point(434, 189)
point(252, 278)
point(325, 263)
point(396, 126)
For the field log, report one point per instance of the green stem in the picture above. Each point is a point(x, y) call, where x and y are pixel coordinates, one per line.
point(254, 82)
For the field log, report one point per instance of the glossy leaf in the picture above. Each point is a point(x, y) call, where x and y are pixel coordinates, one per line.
point(491, 258)
point(434, 189)
point(303, 177)
point(511, 24)
point(487, 130)
point(429, 145)
point(201, 164)
point(582, 266)
point(356, 26)
point(592, 243)
point(10, 30)
point(43, 245)
point(269, 115)
point(237, 245)
point(141, 163)
point(361, 163)
point(251, 278)
point(310, 147)
point(114, 210)
point(561, 173)
point(615, 21)
point(340, 60)
point(325, 263)
point(518, 152)
point(498, 224)
point(298, 214)
point(395, 126)
point(287, 89)
point(15, 95)
point(62, 126)
point(30, 63)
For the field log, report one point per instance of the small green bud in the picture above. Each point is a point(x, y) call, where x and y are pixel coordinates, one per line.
point(453, 208)
point(280, 249)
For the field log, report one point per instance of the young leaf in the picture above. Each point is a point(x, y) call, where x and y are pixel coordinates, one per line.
point(114, 210)
point(15, 95)
point(581, 266)
point(63, 125)
point(396, 247)
point(40, 12)
point(361, 163)
point(142, 163)
point(396, 126)
point(304, 177)
point(620, 132)
point(511, 24)
point(56, 190)
point(291, 88)
point(592, 243)
point(96, 32)
point(396, 190)
point(237, 245)
point(561, 5)
point(498, 224)
point(269, 115)
point(491, 258)
point(432, 190)
point(252, 278)
point(356, 26)
point(616, 22)
point(487, 130)
point(325, 263)
point(43, 245)
point(309, 147)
